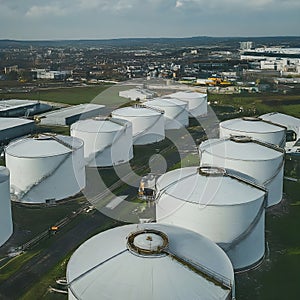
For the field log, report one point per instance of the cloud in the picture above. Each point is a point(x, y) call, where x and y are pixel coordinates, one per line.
point(234, 4)
point(47, 10)
point(123, 18)
point(178, 4)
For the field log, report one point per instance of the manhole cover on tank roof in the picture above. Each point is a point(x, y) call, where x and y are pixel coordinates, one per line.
point(211, 171)
point(252, 119)
point(241, 138)
point(148, 242)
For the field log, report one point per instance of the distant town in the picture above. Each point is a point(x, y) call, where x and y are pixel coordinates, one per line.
point(223, 65)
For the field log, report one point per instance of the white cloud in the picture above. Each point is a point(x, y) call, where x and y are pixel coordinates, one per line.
point(234, 4)
point(41, 11)
point(178, 4)
point(106, 5)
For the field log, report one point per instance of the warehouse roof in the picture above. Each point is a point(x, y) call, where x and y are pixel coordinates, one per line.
point(6, 123)
point(15, 103)
point(73, 110)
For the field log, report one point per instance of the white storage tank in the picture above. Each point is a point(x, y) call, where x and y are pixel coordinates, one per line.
point(218, 204)
point(149, 261)
point(197, 102)
point(261, 161)
point(176, 111)
point(256, 128)
point(107, 142)
point(6, 225)
point(291, 123)
point(45, 168)
point(147, 123)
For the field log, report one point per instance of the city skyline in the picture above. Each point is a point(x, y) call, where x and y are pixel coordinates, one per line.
point(103, 19)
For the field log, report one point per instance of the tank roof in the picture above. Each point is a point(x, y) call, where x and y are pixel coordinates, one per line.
point(187, 95)
point(15, 103)
point(135, 111)
point(107, 261)
point(165, 102)
point(250, 125)
point(212, 188)
point(281, 119)
point(230, 149)
point(99, 125)
point(43, 146)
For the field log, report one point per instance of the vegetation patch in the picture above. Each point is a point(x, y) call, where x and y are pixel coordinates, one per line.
point(15, 263)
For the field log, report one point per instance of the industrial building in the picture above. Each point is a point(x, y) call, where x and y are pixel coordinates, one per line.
point(107, 142)
point(11, 128)
point(150, 261)
point(70, 115)
point(137, 94)
point(261, 161)
point(256, 128)
point(6, 224)
point(22, 108)
point(175, 111)
point(219, 204)
point(147, 123)
point(45, 168)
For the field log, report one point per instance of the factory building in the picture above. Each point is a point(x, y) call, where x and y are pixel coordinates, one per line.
point(70, 115)
point(11, 128)
point(20, 108)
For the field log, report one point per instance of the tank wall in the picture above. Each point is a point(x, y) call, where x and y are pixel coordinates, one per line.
point(146, 130)
point(275, 138)
point(33, 182)
point(251, 250)
point(122, 148)
point(69, 179)
point(196, 106)
point(199, 109)
point(27, 171)
point(221, 224)
point(106, 148)
point(71, 296)
point(6, 228)
point(178, 120)
point(262, 171)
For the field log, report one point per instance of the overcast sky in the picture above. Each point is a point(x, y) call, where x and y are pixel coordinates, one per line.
point(103, 19)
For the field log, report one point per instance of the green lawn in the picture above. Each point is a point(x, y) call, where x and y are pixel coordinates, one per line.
point(257, 104)
point(72, 96)
point(98, 94)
